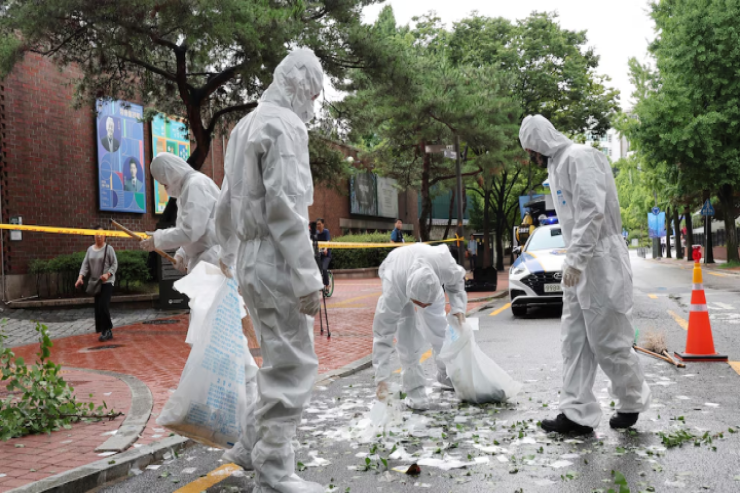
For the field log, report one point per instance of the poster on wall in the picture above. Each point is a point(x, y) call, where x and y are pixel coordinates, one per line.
point(120, 136)
point(168, 135)
point(364, 194)
point(387, 197)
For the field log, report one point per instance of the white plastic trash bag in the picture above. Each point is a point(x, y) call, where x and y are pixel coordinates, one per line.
point(211, 398)
point(201, 286)
point(475, 376)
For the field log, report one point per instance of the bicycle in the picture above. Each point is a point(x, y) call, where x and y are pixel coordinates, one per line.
point(329, 290)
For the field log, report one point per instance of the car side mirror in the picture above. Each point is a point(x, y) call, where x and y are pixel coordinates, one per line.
point(517, 250)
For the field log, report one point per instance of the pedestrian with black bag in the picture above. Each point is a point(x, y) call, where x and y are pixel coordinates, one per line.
point(100, 264)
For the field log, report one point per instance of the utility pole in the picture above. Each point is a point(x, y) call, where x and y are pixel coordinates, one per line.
point(458, 172)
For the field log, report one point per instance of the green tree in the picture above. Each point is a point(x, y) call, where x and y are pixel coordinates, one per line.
point(549, 71)
point(691, 119)
point(427, 101)
point(207, 61)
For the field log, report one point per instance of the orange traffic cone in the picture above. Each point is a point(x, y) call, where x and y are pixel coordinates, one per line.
point(699, 343)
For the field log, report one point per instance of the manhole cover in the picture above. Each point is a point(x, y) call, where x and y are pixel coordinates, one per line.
point(161, 322)
point(256, 352)
point(99, 348)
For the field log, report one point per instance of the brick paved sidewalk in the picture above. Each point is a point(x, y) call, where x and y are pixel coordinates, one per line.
point(156, 355)
point(31, 458)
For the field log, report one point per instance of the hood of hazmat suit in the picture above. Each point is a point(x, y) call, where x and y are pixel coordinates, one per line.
point(423, 285)
point(194, 232)
point(597, 323)
point(262, 226)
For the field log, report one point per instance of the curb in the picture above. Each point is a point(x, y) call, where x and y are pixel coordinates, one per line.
point(90, 476)
point(673, 263)
point(142, 403)
point(64, 302)
point(347, 370)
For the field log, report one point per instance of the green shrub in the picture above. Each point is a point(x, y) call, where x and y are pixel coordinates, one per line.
point(361, 258)
point(64, 269)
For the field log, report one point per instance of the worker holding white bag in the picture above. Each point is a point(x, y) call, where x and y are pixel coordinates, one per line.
point(412, 286)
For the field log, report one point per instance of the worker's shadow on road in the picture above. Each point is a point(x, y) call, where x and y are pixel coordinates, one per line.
point(543, 312)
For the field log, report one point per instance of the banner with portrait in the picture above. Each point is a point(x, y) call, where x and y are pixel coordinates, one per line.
point(168, 135)
point(120, 142)
point(656, 225)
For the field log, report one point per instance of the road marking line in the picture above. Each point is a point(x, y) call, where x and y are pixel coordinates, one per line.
point(653, 296)
point(680, 321)
point(213, 477)
point(349, 301)
point(735, 365)
point(423, 358)
point(716, 274)
point(496, 312)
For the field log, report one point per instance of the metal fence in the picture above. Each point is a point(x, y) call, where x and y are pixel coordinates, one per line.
point(719, 238)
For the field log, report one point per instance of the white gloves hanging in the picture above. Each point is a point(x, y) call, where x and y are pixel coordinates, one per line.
point(310, 304)
point(571, 277)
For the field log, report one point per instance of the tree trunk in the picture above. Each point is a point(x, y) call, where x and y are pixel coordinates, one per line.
point(708, 243)
point(500, 225)
point(677, 229)
point(449, 216)
point(727, 198)
point(486, 261)
point(689, 234)
point(668, 233)
point(426, 201)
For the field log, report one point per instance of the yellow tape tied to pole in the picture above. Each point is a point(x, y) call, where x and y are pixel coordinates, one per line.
point(121, 234)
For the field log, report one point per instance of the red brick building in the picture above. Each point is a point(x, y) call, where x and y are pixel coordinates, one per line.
point(49, 174)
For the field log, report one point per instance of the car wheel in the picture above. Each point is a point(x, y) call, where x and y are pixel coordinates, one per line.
point(519, 311)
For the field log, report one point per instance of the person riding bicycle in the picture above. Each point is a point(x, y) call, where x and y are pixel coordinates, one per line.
point(322, 234)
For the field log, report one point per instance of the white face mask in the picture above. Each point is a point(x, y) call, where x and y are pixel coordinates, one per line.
point(306, 112)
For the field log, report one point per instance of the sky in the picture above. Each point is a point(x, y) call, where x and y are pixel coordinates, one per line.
point(617, 30)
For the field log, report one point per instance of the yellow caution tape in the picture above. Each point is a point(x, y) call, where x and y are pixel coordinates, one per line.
point(121, 234)
point(67, 231)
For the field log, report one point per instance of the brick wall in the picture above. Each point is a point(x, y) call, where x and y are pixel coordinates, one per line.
point(49, 173)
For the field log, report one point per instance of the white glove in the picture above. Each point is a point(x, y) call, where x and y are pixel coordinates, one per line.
point(571, 277)
point(147, 244)
point(310, 304)
point(180, 264)
point(460, 317)
point(382, 392)
point(225, 269)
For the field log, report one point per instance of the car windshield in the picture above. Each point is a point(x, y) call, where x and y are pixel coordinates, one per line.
point(546, 239)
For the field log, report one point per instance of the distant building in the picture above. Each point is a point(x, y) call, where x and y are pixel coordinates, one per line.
point(614, 145)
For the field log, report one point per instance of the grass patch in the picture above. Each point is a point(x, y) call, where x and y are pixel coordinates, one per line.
point(730, 265)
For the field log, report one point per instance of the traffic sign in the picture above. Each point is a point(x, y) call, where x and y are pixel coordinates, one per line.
point(656, 210)
point(707, 209)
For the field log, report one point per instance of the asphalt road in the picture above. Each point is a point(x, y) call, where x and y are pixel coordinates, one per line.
point(513, 454)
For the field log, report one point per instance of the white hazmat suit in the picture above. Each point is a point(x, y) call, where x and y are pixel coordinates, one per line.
point(415, 272)
point(596, 326)
point(194, 232)
point(262, 224)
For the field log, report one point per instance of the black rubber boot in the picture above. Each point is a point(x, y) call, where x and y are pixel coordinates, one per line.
point(563, 425)
point(623, 420)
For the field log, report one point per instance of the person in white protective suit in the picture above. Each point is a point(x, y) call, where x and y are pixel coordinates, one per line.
point(412, 278)
point(262, 225)
point(194, 233)
point(596, 326)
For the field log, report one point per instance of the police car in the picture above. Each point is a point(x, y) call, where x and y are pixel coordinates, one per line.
point(534, 279)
